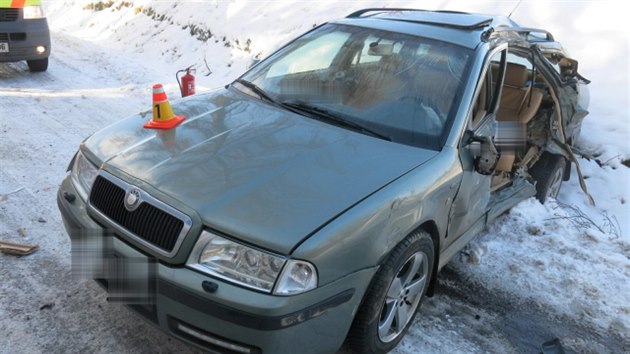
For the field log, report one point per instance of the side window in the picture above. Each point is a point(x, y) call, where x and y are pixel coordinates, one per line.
point(489, 88)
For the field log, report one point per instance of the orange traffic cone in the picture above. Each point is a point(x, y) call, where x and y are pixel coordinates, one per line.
point(163, 116)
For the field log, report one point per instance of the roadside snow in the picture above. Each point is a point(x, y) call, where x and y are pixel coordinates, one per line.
point(565, 258)
point(555, 255)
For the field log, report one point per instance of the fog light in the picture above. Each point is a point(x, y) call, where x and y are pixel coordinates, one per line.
point(40, 49)
point(212, 340)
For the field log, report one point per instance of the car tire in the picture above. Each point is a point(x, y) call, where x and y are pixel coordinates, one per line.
point(548, 173)
point(394, 296)
point(38, 65)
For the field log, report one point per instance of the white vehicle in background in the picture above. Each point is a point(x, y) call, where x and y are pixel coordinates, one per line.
point(24, 33)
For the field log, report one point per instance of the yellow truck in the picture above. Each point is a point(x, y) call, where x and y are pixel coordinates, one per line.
point(24, 33)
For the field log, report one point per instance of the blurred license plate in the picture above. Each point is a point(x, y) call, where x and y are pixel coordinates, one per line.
point(131, 280)
point(4, 47)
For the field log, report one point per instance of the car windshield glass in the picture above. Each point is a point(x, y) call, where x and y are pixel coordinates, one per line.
point(403, 87)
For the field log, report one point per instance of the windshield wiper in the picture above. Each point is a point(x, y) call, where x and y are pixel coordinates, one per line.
point(257, 90)
point(319, 112)
point(322, 113)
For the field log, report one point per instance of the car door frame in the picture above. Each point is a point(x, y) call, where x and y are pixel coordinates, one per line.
point(466, 221)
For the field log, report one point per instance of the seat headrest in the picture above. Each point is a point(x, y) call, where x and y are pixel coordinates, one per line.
point(515, 75)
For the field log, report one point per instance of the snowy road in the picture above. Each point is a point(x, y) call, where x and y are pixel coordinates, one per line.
point(44, 117)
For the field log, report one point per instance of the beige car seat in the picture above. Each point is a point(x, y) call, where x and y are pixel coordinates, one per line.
point(519, 103)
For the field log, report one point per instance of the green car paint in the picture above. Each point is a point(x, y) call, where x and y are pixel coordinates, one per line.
point(256, 165)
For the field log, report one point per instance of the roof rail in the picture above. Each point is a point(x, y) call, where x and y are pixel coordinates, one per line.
point(358, 13)
point(476, 25)
point(480, 22)
point(523, 30)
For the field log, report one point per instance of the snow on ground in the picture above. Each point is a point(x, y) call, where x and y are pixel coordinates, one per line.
point(565, 259)
point(546, 257)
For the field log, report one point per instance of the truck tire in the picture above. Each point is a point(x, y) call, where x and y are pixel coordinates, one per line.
point(38, 65)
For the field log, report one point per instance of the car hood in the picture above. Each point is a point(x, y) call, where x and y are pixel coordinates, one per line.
point(254, 171)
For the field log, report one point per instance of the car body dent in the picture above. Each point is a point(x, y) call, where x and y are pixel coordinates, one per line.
point(380, 222)
point(571, 99)
point(572, 96)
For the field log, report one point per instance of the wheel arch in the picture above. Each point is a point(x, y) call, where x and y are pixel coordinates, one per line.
point(431, 228)
point(419, 234)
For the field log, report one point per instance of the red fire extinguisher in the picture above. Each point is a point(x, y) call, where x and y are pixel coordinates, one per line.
point(187, 82)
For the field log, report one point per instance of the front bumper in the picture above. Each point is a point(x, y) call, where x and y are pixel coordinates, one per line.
point(22, 38)
point(230, 319)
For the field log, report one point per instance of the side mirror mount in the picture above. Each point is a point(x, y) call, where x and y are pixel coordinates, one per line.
point(487, 156)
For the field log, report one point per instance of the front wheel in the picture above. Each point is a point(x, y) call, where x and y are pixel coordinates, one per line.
point(38, 65)
point(394, 296)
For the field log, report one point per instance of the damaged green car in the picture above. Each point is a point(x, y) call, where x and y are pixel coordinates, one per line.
point(311, 203)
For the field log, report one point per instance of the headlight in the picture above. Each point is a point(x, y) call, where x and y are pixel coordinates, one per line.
point(83, 175)
point(33, 12)
point(251, 267)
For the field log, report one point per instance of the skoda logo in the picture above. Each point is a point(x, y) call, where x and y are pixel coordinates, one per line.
point(132, 199)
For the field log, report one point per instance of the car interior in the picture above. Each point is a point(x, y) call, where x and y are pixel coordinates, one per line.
point(402, 86)
point(525, 106)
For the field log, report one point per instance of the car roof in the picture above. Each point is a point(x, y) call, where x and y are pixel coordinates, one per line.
point(461, 28)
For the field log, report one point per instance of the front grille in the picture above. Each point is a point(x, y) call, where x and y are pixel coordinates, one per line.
point(147, 222)
point(9, 15)
point(17, 36)
point(4, 36)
